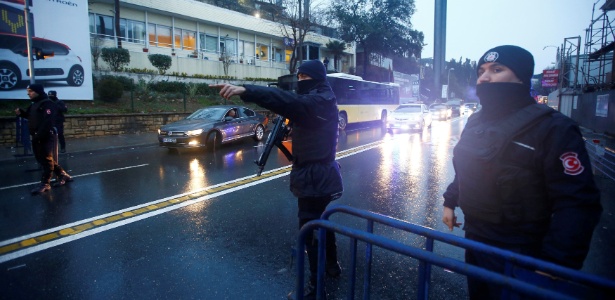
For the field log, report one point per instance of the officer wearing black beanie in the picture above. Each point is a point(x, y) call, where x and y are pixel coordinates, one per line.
point(522, 175)
point(315, 178)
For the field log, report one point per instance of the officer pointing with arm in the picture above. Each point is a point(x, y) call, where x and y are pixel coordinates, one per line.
point(315, 178)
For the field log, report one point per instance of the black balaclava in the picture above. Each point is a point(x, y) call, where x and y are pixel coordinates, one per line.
point(314, 69)
point(501, 98)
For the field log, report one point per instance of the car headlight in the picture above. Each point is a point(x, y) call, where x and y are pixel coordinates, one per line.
point(194, 132)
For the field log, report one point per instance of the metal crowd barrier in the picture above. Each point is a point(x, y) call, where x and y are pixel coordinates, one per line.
point(600, 287)
point(22, 135)
point(602, 158)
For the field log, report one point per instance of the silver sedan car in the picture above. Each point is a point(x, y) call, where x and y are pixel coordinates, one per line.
point(212, 126)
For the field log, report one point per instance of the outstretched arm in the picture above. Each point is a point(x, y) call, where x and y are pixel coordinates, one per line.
point(229, 90)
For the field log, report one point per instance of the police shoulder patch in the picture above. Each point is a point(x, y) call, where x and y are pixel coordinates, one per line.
point(572, 164)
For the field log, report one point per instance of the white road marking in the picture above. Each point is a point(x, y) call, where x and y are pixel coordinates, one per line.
point(74, 176)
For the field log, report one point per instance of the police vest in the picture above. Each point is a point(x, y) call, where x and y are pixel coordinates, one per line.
point(488, 183)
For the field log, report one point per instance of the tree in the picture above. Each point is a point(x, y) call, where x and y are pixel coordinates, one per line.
point(294, 26)
point(161, 62)
point(462, 78)
point(378, 27)
point(337, 48)
point(118, 35)
point(96, 43)
point(116, 58)
point(225, 57)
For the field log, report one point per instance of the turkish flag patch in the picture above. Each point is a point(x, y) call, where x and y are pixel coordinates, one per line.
point(48, 111)
point(572, 164)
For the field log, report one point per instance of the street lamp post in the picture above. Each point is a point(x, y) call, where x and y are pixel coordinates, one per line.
point(448, 83)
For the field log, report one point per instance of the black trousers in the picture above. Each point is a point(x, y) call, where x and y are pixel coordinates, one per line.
point(479, 289)
point(311, 208)
point(46, 154)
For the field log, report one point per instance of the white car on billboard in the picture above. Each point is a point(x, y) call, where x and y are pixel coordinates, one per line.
point(53, 61)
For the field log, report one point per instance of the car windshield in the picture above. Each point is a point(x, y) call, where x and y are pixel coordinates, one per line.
point(409, 109)
point(215, 113)
point(438, 107)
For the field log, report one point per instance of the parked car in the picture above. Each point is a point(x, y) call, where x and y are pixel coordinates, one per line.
point(409, 116)
point(212, 126)
point(53, 61)
point(456, 110)
point(470, 107)
point(440, 111)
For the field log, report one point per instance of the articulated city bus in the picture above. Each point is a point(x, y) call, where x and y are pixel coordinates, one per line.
point(357, 100)
point(362, 101)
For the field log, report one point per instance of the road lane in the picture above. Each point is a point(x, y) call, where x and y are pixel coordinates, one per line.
point(38, 241)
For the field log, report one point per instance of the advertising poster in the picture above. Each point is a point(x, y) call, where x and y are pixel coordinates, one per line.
point(408, 87)
point(61, 48)
point(602, 105)
point(550, 78)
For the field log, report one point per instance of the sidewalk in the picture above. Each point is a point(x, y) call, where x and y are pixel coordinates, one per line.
point(107, 142)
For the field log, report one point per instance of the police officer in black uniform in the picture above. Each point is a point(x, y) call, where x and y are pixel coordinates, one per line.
point(523, 178)
point(41, 119)
point(315, 177)
point(62, 109)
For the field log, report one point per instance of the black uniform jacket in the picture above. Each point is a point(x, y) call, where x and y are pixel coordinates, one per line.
point(41, 116)
point(62, 109)
point(314, 116)
point(563, 220)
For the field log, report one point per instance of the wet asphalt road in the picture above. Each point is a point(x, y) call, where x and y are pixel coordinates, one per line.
point(144, 223)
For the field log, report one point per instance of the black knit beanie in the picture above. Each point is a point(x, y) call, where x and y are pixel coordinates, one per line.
point(37, 88)
point(314, 69)
point(519, 60)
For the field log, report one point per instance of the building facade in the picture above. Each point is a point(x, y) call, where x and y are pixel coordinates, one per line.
point(197, 35)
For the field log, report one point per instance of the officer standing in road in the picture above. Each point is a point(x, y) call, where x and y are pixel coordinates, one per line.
point(41, 119)
point(315, 178)
point(53, 95)
point(523, 178)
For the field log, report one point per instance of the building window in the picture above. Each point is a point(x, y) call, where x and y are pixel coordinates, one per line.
point(311, 52)
point(248, 51)
point(228, 45)
point(102, 25)
point(163, 36)
point(209, 43)
point(177, 38)
point(132, 31)
point(262, 52)
point(189, 39)
point(152, 34)
point(278, 55)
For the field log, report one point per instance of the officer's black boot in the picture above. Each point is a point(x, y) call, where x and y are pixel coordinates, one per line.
point(333, 268)
point(312, 253)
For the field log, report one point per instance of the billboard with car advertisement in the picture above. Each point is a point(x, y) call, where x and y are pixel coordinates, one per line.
point(60, 48)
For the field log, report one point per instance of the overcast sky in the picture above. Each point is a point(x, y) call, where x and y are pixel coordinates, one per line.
point(474, 26)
